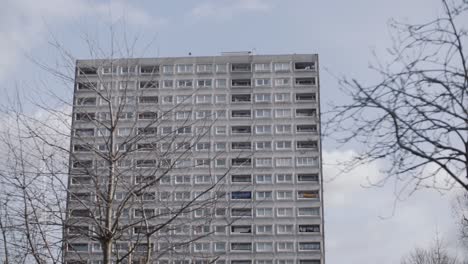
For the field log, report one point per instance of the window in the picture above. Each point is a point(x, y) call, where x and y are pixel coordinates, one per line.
point(184, 83)
point(167, 99)
point(264, 229)
point(284, 195)
point(308, 211)
point(203, 99)
point(264, 195)
point(281, 82)
point(282, 145)
point(221, 68)
point(284, 212)
point(241, 83)
point(309, 246)
point(148, 99)
point(125, 115)
point(240, 113)
point(241, 212)
point(78, 247)
point(220, 246)
point(284, 229)
point(241, 229)
point(306, 177)
point(309, 261)
point(263, 129)
point(264, 246)
point(201, 246)
point(127, 85)
point(283, 162)
point(309, 228)
point(304, 66)
point(149, 84)
point(221, 83)
point(305, 81)
point(264, 67)
point(85, 116)
point(183, 115)
point(264, 179)
point(283, 178)
point(184, 68)
point(220, 146)
point(204, 83)
point(262, 98)
point(241, 67)
point(182, 179)
point(264, 212)
point(240, 98)
point(220, 130)
point(306, 161)
point(204, 68)
point(262, 82)
point(241, 178)
point(286, 261)
point(263, 113)
point(282, 97)
point(263, 162)
point(205, 114)
point(202, 163)
point(285, 246)
point(166, 130)
point(203, 146)
point(220, 229)
point(220, 114)
point(283, 129)
point(241, 246)
point(128, 69)
point(184, 130)
point(183, 99)
point(82, 148)
point(168, 83)
point(220, 98)
point(282, 66)
point(140, 213)
point(263, 145)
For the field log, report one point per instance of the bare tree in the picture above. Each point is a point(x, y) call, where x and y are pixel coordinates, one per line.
point(104, 185)
point(416, 118)
point(436, 254)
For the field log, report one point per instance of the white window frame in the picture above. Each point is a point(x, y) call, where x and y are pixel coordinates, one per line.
point(184, 68)
point(265, 212)
point(263, 98)
point(264, 177)
point(263, 82)
point(263, 113)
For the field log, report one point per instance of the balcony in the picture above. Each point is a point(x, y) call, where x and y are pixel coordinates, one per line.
point(241, 145)
point(306, 97)
point(241, 229)
point(241, 67)
point(304, 66)
point(242, 162)
point(306, 144)
point(308, 112)
point(241, 130)
point(241, 178)
point(241, 83)
point(149, 69)
point(305, 81)
point(241, 113)
point(241, 98)
point(241, 195)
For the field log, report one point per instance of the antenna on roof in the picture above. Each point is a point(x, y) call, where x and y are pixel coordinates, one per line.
point(190, 53)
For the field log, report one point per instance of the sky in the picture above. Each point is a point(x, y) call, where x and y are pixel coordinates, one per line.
point(363, 225)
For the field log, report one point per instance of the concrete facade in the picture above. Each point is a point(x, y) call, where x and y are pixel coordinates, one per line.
point(278, 176)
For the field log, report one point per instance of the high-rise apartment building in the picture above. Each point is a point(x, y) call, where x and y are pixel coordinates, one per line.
point(197, 160)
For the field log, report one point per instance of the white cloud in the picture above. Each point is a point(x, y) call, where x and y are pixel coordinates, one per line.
point(361, 225)
point(228, 9)
point(22, 22)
